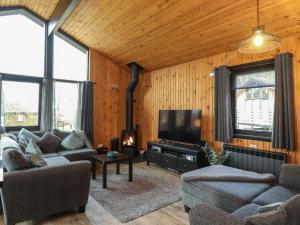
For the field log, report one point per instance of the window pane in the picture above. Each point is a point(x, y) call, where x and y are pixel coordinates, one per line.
point(69, 62)
point(21, 46)
point(255, 79)
point(254, 109)
point(20, 104)
point(66, 101)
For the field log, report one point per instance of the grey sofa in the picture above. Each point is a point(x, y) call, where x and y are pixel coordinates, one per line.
point(234, 203)
point(37, 192)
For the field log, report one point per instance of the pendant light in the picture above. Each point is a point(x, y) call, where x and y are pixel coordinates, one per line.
point(260, 41)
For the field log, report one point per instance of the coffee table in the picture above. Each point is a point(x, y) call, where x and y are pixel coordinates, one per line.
point(104, 160)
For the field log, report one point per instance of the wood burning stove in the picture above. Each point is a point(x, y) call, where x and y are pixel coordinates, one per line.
point(129, 142)
point(129, 136)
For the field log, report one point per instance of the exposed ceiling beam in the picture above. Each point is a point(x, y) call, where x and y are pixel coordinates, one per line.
point(62, 11)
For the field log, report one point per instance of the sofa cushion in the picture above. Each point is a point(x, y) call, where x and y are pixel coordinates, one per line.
point(78, 154)
point(228, 196)
point(57, 161)
point(290, 176)
point(246, 210)
point(49, 143)
point(24, 138)
point(275, 194)
point(73, 141)
point(48, 155)
point(14, 159)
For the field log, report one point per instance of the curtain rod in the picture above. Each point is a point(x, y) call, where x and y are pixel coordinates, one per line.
point(68, 81)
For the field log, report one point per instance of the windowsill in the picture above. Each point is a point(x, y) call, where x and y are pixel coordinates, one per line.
point(252, 137)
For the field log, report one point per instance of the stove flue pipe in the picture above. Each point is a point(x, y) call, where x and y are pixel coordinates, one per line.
point(135, 68)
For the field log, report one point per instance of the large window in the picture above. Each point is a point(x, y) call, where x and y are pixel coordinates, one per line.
point(70, 60)
point(22, 45)
point(22, 68)
point(253, 101)
point(66, 105)
point(20, 104)
point(70, 63)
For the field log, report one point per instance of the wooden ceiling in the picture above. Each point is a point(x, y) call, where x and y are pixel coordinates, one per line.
point(160, 33)
point(43, 8)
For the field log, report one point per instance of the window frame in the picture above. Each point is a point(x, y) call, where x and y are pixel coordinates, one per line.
point(26, 79)
point(237, 70)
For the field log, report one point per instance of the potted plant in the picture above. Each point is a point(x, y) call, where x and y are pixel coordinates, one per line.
point(214, 158)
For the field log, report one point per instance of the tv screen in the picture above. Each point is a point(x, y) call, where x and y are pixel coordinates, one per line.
point(180, 125)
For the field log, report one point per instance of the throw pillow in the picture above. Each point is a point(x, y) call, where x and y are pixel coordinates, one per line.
point(268, 208)
point(33, 148)
point(36, 160)
point(24, 138)
point(85, 138)
point(49, 143)
point(11, 135)
point(7, 142)
point(73, 141)
point(61, 134)
point(14, 159)
point(34, 155)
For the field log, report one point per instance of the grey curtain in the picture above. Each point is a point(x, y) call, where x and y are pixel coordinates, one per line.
point(283, 135)
point(87, 109)
point(223, 116)
point(47, 105)
point(78, 122)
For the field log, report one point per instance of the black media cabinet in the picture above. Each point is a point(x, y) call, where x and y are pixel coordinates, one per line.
point(176, 156)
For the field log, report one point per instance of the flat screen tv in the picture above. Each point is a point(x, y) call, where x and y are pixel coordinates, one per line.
point(180, 125)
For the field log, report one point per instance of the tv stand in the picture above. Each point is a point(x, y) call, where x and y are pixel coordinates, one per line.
point(177, 156)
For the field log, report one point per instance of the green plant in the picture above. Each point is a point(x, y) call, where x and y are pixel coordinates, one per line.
point(214, 158)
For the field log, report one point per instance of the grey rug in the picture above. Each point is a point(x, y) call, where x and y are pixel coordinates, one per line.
point(152, 188)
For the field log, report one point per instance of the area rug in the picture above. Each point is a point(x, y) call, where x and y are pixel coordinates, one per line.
point(151, 189)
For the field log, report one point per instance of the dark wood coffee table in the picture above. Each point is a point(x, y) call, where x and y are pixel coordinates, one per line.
point(104, 160)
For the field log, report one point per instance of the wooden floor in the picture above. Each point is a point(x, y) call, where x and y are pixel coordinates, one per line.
point(96, 215)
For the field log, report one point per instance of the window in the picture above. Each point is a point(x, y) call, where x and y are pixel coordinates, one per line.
point(70, 63)
point(22, 68)
point(20, 106)
point(66, 102)
point(22, 45)
point(70, 60)
point(253, 92)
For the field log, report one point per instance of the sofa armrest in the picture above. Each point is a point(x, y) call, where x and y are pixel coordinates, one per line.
point(290, 176)
point(206, 215)
point(34, 193)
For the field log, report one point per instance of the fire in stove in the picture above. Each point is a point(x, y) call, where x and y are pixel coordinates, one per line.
point(128, 140)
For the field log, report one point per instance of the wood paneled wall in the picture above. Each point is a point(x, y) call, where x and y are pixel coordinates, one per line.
point(109, 98)
point(189, 85)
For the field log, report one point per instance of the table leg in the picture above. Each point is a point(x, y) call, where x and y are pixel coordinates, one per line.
point(104, 174)
point(118, 168)
point(94, 169)
point(130, 171)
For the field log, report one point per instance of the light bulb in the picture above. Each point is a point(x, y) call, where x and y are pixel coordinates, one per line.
point(258, 40)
